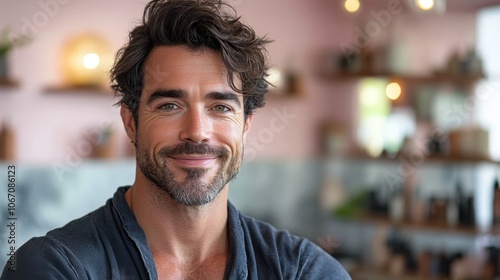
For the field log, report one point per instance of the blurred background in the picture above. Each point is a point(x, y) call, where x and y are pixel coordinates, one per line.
point(380, 141)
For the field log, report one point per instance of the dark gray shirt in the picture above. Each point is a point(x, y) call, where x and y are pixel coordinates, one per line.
point(109, 244)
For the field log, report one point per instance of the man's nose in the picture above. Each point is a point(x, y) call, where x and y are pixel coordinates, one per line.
point(196, 126)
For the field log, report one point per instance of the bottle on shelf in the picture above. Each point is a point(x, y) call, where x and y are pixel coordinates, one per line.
point(418, 211)
point(437, 211)
point(461, 204)
point(7, 142)
point(496, 203)
point(396, 207)
point(452, 211)
point(470, 217)
point(466, 209)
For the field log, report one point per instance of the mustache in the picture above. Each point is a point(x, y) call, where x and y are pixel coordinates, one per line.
point(189, 148)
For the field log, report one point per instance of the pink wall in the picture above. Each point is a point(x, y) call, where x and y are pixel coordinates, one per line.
point(46, 124)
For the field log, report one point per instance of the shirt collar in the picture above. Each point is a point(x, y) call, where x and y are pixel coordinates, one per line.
point(237, 263)
point(134, 231)
point(236, 267)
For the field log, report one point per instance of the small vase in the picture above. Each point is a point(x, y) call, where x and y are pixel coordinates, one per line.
point(3, 67)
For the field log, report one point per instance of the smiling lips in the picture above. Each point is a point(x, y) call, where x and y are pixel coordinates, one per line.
point(195, 160)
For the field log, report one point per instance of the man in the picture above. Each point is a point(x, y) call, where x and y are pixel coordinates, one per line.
point(190, 78)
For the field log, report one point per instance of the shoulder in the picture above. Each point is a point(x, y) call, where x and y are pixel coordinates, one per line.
point(62, 253)
point(82, 234)
point(79, 226)
point(294, 256)
point(42, 258)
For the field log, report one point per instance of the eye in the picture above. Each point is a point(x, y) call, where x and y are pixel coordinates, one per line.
point(222, 108)
point(168, 107)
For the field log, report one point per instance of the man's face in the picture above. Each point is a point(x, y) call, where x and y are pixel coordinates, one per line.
point(190, 126)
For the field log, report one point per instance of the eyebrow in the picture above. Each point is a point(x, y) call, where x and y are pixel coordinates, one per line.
point(171, 93)
point(230, 96)
point(179, 93)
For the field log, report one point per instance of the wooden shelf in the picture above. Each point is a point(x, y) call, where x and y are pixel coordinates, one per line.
point(370, 274)
point(461, 160)
point(429, 159)
point(8, 83)
point(385, 221)
point(95, 90)
point(432, 79)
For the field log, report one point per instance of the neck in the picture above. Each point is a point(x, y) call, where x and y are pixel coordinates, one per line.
point(180, 233)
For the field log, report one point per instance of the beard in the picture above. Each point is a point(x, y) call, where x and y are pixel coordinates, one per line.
point(192, 191)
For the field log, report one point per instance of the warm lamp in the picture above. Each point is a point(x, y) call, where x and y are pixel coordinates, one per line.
point(393, 91)
point(425, 4)
point(86, 60)
point(438, 6)
point(352, 6)
point(275, 78)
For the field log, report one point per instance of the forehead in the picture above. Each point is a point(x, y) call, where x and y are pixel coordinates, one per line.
point(183, 68)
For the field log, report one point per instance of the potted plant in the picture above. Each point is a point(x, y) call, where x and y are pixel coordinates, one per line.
point(7, 43)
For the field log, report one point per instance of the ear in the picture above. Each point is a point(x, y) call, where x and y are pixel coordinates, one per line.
point(248, 122)
point(128, 122)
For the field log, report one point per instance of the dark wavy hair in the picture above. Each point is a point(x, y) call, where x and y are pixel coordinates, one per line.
point(197, 24)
